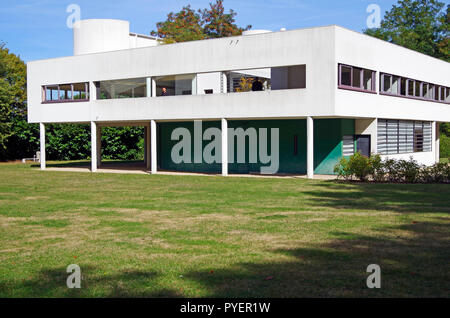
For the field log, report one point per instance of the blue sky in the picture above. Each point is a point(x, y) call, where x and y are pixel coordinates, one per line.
point(36, 29)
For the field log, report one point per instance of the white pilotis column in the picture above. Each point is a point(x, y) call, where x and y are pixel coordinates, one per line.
point(93, 146)
point(153, 145)
point(310, 147)
point(224, 147)
point(437, 147)
point(99, 145)
point(42, 144)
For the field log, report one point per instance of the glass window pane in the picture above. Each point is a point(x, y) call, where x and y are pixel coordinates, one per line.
point(367, 81)
point(425, 90)
point(436, 92)
point(430, 93)
point(175, 85)
point(65, 92)
point(356, 77)
point(386, 83)
point(447, 94)
point(395, 85)
point(79, 91)
point(51, 93)
point(346, 75)
point(417, 92)
point(165, 86)
point(410, 88)
point(127, 88)
point(403, 86)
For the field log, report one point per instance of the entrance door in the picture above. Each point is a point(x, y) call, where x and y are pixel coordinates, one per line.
point(363, 144)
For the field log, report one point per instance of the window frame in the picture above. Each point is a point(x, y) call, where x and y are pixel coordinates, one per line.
point(71, 100)
point(361, 88)
point(409, 81)
point(416, 142)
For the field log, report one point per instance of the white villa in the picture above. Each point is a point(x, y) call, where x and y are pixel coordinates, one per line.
point(330, 92)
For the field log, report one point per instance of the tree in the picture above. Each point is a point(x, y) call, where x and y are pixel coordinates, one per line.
point(180, 27)
point(12, 95)
point(189, 25)
point(420, 25)
point(217, 24)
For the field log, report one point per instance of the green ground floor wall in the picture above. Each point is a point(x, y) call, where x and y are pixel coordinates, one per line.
point(328, 135)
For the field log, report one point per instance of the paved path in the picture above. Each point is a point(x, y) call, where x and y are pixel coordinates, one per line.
point(141, 170)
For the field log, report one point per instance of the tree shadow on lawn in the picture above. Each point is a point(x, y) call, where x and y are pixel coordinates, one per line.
point(51, 282)
point(413, 265)
point(419, 198)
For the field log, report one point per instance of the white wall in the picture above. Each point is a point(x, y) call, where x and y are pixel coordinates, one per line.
point(360, 50)
point(320, 49)
point(208, 81)
point(425, 158)
point(138, 40)
point(312, 47)
point(100, 35)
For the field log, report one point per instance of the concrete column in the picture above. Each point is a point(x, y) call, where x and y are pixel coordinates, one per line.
point(149, 86)
point(437, 143)
point(147, 146)
point(93, 146)
point(153, 87)
point(310, 147)
point(224, 147)
point(92, 91)
point(99, 145)
point(42, 144)
point(153, 145)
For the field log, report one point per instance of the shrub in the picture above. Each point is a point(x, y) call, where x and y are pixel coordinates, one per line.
point(356, 166)
point(378, 169)
point(359, 166)
point(408, 171)
point(437, 173)
point(444, 145)
point(343, 169)
point(391, 170)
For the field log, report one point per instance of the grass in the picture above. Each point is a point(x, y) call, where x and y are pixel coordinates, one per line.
point(197, 236)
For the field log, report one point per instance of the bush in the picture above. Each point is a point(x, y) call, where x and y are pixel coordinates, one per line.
point(408, 171)
point(356, 166)
point(444, 145)
point(378, 168)
point(391, 170)
point(342, 169)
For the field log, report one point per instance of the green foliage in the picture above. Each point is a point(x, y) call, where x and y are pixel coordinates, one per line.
point(180, 27)
point(218, 24)
point(377, 168)
point(356, 165)
point(190, 25)
point(125, 143)
point(391, 170)
point(73, 142)
point(420, 25)
point(68, 142)
point(444, 145)
point(12, 95)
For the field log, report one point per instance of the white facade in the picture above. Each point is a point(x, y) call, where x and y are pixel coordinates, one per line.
point(317, 51)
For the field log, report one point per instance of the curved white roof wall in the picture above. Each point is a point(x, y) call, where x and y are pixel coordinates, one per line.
point(100, 35)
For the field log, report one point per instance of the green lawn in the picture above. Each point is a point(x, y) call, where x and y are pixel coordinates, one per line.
point(208, 236)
